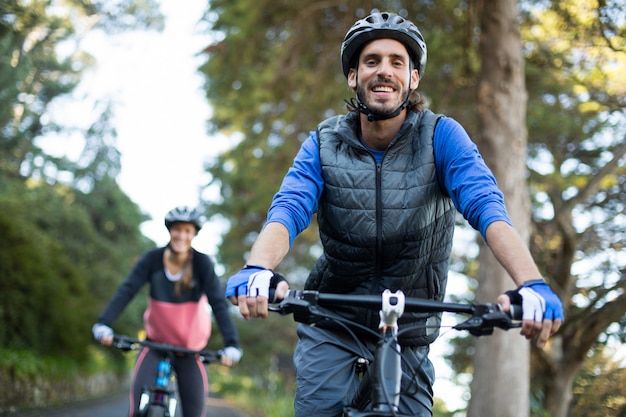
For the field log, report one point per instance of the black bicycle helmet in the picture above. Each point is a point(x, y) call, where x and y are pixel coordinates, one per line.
point(184, 214)
point(379, 26)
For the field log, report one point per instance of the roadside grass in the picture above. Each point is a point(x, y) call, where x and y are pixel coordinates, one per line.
point(253, 396)
point(266, 396)
point(26, 365)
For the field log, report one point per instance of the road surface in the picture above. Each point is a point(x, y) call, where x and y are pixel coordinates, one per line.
point(114, 406)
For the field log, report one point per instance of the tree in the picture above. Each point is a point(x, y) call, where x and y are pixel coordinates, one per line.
point(598, 388)
point(265, 84)
point(56, 259)
point(273, 72)
point(42, 62)
point(278, 103)
point(32, 76)
point(65, 242)
point(501, 138)
point(578, 179)
point(264, 74)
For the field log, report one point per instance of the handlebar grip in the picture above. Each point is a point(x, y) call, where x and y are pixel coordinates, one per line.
point(516, 312)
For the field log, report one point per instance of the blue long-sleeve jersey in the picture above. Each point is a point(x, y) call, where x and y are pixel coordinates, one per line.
point(461, 172)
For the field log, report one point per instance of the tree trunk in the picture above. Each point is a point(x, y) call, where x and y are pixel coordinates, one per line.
point(501, 382)
point(558, 394)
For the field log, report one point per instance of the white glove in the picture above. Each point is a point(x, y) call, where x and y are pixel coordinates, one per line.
point(538, 301)
point(259, 283)
point(533, 304)
point(232, 353)
point(101, 331)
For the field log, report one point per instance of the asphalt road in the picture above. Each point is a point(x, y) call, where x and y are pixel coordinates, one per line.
point(114, 406)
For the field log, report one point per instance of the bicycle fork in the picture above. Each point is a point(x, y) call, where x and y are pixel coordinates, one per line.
point(385, 377)
point(159, 394)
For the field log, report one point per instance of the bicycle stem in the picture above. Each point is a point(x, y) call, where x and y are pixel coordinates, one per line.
point(391, 310)
point(388, 370)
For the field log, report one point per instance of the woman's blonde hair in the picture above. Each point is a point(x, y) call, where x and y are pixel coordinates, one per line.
point(186, 280)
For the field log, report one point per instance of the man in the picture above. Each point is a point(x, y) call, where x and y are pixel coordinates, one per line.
point(385, 180)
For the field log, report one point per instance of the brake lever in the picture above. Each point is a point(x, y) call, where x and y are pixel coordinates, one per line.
point(121, 342)
point(486, 318)
point(300, 304)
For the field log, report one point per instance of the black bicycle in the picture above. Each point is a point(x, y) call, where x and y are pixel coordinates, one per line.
point(161, 398)
point(379, 389)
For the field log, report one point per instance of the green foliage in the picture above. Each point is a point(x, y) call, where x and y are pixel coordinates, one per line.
point(55, 261)
point(244, 393)
point(32, 75)
point(274, 73)
point(598, 389)
point(266, 368)
point(259, 349)
point(42, 288)
point(63, 250)
point(440, 409)
point(28, 365)
point(577, 161)
point(25, 365)
point(265, 371)
point(68, 234)
point(42, 62)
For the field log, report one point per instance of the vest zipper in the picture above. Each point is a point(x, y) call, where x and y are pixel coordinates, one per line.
point(379, 220)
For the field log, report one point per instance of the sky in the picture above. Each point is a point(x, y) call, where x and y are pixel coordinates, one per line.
point(160, 114)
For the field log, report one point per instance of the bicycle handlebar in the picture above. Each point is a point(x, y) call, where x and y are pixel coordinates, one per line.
point(484, 316)
point(129, 343)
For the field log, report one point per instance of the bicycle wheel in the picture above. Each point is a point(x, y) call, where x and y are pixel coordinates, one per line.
point(156, 411)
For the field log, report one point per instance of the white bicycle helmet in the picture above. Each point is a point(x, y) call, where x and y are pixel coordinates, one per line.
point(383, 25)
point(184, 214)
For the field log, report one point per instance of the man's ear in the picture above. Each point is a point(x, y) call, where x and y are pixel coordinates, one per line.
point(352, 78)
point(415, 79)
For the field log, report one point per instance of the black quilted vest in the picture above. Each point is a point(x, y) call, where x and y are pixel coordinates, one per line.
point(386, 225)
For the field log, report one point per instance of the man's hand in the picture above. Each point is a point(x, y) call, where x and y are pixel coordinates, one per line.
point(252, 287)
point(542, 309)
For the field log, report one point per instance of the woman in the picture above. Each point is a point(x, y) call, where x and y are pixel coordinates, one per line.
point(182, 285)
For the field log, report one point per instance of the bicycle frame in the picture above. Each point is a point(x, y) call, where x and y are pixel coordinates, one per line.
point(161, 395)
point(381, 381)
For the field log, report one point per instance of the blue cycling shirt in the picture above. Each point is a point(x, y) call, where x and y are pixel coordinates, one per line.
point(461, 172)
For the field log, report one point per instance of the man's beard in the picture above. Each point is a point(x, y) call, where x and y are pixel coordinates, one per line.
point(380, 108)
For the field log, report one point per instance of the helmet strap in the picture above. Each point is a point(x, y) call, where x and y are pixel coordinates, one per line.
point(373, 116)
